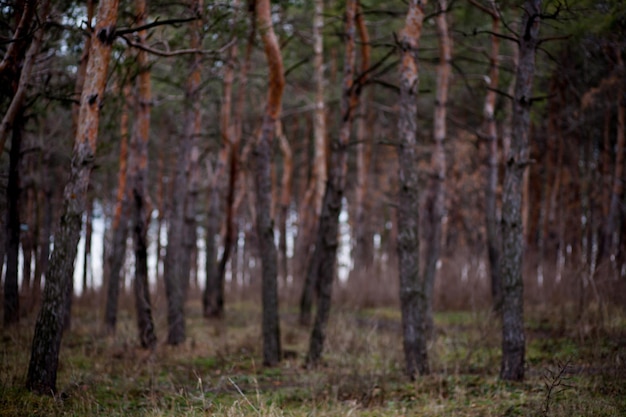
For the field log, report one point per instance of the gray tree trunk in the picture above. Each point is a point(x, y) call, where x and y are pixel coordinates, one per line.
point(11, 290)
point(323, 263)
point(412, 292)
point(513, 339)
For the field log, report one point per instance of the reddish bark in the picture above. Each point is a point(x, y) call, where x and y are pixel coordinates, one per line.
point(44, 359)
point(264, 222)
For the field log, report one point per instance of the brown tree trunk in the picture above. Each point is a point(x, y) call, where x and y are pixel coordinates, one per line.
point(12, 61)
point(412, 292)
point(213, 298)
point(44, 358)
point(611, 234)
point(264, 222)
point(120, 222)
point(437, 203)
point(138, 163)
point(513, 339)
point(310, 209)
point(363, 249)
point(322, 267)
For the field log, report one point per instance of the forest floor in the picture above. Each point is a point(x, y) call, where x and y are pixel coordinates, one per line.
point(575, 367)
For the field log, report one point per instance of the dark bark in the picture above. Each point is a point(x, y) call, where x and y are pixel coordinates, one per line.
point(11, 290)
point(193, 132)
point(491, 176)
point(143, 307)
point(263, 183)
point(116, 262)
point(437, 199)
point(87, 254)
point(311, 206)
point(44, 358)
point(412, 291)
point(323, 264)
point(213, 297)
point(138, 164)
point(513, 339)
point(120, 223)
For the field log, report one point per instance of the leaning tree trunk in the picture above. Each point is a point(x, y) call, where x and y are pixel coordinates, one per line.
point(12, 121)
point(263, 182)
point(138, 163)
point(42, 370)
point(513, 340)
point(412, 296)
point(323, 264)
point(213, 297)
point(311, 206)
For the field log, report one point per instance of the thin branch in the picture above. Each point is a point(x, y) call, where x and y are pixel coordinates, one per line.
point(502, 93)
point(296, 65)
point(553, 38)
point(177, 52)
point(492, 33)
point(541, 98)
point(362, 76)
point(126, 31)
point(485, 9)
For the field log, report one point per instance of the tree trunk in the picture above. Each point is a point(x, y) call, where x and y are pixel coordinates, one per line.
point(491, 208)
point(176, 273)
point(264, 222)
point(363, 249)
point(285, 199)
point(437, 204)
point(213, 298)
point(17, 102)
point(87, 272)
point(513, 339)
point(412, 295)
point(311, 206)
point(611, 235)
point(120, 222)
point(193, 131)
point(11, 290)
point(323, 264)
point(138, 163)
point(44, 358)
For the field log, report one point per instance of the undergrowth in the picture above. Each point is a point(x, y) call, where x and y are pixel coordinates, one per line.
point(573, 368)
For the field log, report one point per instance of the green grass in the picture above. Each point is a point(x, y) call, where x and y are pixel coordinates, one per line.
point(218, 371)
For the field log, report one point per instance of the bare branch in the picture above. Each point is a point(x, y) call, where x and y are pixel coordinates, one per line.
point(177, 52)
point(491, 12)
point(125, 31)
point(492, 33)
point(502, 93)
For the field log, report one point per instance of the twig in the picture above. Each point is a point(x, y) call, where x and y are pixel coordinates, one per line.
point(244, 396)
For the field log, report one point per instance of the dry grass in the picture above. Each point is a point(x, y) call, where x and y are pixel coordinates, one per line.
point(217, 371)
